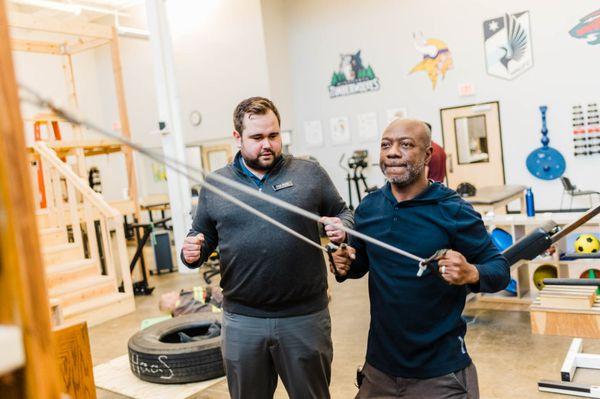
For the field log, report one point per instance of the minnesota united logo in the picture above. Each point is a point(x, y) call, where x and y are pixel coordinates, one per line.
point(507, 41)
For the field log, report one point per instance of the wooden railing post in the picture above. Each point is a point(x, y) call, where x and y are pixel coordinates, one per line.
point(74, 211)
point(92, 239)
point(108, 253)
point(122, 254)
point(58, 201)
point(48, 192)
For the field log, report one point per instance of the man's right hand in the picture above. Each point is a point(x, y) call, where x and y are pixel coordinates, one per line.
point(191, 248)
point(343, 258)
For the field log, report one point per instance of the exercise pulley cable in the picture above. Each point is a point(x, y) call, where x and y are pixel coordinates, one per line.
point(181, 168)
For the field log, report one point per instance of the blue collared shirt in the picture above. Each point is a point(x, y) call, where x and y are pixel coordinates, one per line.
point(259, 182)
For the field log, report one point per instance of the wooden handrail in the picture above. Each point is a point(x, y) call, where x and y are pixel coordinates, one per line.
point(96, 199)
point(90, 199)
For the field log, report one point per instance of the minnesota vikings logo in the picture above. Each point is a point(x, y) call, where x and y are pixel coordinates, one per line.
point(437, 59)
point(588, 28)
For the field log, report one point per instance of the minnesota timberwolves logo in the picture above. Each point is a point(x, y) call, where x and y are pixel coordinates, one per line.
point(508, 45)
point(352, 77)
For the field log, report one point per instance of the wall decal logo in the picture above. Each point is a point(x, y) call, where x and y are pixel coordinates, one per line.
point(507, 40)
point(588, 28)
point(437, 59)
point(352, 77)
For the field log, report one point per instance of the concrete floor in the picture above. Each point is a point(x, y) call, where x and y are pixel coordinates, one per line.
point(510, 360)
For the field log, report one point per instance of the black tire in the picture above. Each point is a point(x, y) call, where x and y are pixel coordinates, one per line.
point(155, 355)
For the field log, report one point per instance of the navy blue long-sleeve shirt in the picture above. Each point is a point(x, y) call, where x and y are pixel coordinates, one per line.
point(417, 330)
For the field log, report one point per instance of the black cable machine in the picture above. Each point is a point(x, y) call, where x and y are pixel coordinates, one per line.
point(356, 163)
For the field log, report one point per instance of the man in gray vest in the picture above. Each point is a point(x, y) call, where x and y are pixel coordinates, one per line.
point(276, 320)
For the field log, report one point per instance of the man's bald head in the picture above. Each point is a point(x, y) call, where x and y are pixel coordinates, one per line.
point(412, 127)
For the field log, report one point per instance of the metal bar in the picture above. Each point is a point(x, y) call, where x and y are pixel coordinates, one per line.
point(574, 225)
point(182, 169)
point(572, 281)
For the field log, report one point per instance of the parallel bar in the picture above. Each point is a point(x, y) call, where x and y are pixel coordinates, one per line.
point(588, 361)
point(567, 371)
point(569, 388)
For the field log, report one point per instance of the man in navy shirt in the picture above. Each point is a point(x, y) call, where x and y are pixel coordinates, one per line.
point(416, 346)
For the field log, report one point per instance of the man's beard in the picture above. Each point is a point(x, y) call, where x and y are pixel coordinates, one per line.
point(413, 171)
point(257, 165)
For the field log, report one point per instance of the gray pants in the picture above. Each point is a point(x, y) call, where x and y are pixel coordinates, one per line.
point(459, 385)
point(298, 349)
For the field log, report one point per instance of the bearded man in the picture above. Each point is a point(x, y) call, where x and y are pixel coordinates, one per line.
point(276, 319)
point(416, 346)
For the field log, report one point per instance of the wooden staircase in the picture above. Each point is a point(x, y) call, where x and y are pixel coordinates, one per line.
point(83, 245)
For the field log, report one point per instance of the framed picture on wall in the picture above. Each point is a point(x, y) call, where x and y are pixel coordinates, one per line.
point(313, 133)
point(367, 126)
point(340, 130)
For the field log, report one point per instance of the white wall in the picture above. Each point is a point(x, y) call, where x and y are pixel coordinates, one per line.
point(220, 59)
point(227, 50)
point(275, 22)
point(565, 72)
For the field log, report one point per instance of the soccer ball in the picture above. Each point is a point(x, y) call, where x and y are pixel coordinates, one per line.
point(587, 244)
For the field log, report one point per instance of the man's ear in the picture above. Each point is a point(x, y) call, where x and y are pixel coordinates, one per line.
point(238, 138)
point(428, 153)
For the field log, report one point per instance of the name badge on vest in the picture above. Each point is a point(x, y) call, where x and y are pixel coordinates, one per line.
point(281, 186)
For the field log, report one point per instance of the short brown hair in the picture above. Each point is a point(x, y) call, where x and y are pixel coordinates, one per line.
point(252, 106)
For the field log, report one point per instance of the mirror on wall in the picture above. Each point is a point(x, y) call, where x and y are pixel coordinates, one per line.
point(471, 139)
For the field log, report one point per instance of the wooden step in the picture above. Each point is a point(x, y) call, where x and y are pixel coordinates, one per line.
point(70, 271)
point(45, 219)
point(83, 289)
point(50, 236)
point(101, 309)
point(62, 253)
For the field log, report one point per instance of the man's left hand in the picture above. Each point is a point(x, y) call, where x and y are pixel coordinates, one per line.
point(334, 233)
point(455, 269)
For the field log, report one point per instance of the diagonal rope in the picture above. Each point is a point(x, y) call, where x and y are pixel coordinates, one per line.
point(182, 169)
